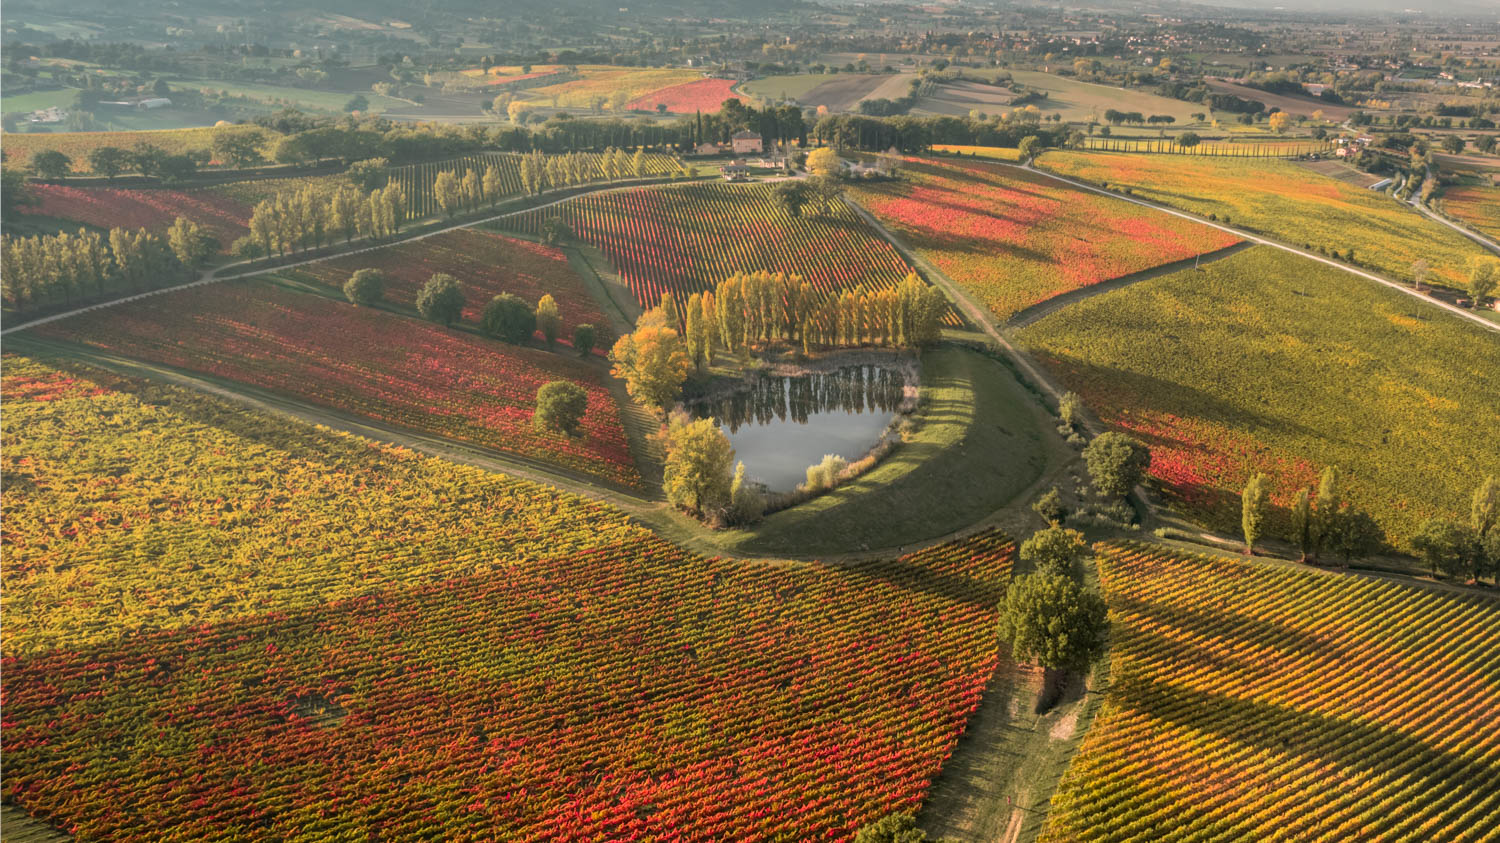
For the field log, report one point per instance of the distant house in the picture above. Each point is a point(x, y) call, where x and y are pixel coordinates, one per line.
point(707, 149)
point(736, 171)
point(745, 143)
point(49, 115)
point(154, 102)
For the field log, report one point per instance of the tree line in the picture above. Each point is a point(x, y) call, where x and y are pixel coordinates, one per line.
point(60, 268)
point(760, 308)
point(1326, 521)
point(315, 215)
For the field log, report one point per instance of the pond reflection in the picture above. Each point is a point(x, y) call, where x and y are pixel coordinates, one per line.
point(781, 425)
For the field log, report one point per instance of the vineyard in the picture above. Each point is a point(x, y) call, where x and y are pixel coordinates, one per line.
point(1015, 238)
point(1169, 146)
point(1268, 362)
point(1474, 206)
point(77, 145)
point(1252, 702)
point(486, 264)
point(600, 82)
point(533, 668)
point(203, 512)
point(410, 374)
point(686, 239)
point(416, 180)
point(1288, 202)
point(706, 95)
point(106, 208)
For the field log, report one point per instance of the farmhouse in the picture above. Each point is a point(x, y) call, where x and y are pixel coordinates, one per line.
point(707, 149)
point(745, 143)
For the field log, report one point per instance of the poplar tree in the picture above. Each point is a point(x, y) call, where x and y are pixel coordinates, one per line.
point(1253, 510)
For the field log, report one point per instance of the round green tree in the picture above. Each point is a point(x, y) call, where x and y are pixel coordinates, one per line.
point(560, 406)
point(1048, 619)
point(1054, 550)
point(508, 318)
point(441, 299)
point(584, 337)
point(1116, 463)
point(365, 287)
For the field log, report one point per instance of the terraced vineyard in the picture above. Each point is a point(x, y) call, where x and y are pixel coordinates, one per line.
point(334, 677)
point(1258, 702)
point(1268, 362)
point(1288, 202)
point(1015, 238)
point(686, 239)
point(410, 374)
point(486, 264)
point(416, 180)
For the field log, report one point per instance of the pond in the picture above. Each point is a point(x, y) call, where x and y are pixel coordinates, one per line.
point(780, 425)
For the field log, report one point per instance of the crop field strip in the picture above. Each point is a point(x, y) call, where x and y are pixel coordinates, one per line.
point(1015, 238)
point(1283, 200)
point(685, 239)
point(395, 370)
point(1475, 206)
point(416, 180)
point(1199, 366)
point(1268, 702)
point(486, 264)
point(748, 701)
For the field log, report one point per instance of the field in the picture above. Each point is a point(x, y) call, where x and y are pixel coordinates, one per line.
point(37, 100)
point(1075, 100)
point(1252, 702)
point(407, 373)
point(1289, 103)
point(78, 145)
point(705, 95)
point(283, 96)
point(1288, 202)
point(1265, 361)
point(1015, 238)
point(499, 677)
point(416, 180)
point(997, 153)
point(105, 208)
point(685, 239)
point(486, 264)
point(792, 86)
point(1474, 206)
point(605, 81)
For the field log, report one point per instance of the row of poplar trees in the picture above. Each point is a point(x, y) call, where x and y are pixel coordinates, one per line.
point(758, 308)
point(316, 215)
point(541, 172)
point(60, 268)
